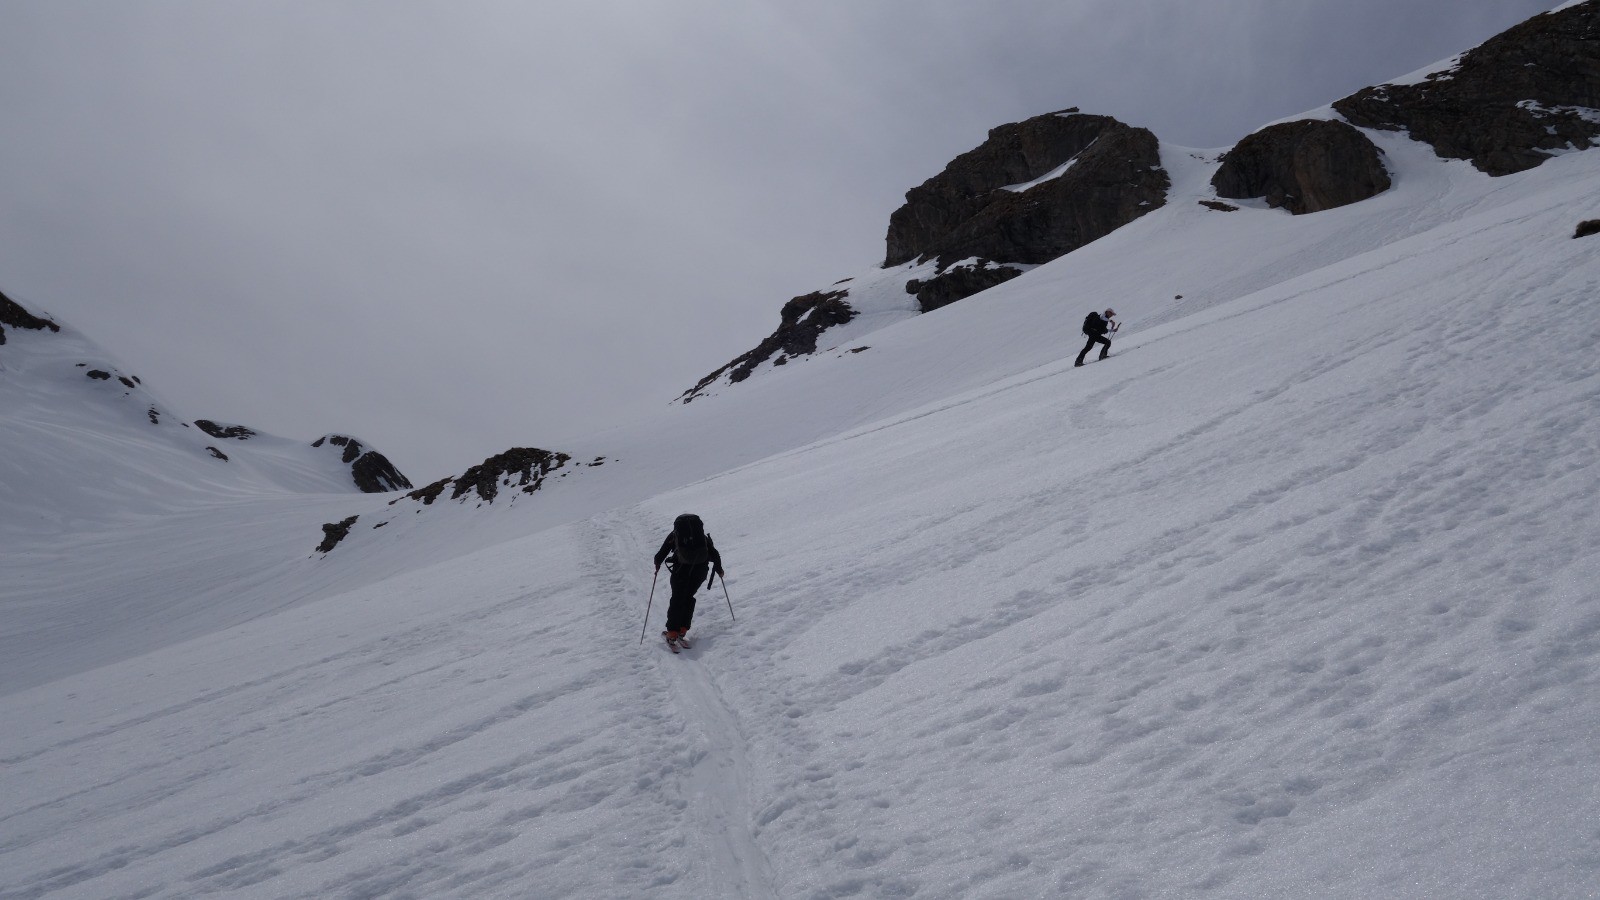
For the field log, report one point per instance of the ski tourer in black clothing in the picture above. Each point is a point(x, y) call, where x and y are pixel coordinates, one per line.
point(689, 555)
point(1095, 328)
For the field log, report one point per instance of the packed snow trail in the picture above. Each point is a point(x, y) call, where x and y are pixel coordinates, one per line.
point(716, 785)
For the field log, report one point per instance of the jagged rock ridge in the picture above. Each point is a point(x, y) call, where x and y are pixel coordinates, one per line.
point(520, 467)
point(1508, 105)
point(1304, 167)
point(804, 319)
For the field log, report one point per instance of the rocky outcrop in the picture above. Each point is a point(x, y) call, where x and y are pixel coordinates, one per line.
point(1303, 167)
point(1032, 191)
point(1524, 94)
point(524, 468)
point(334, 532)
point(12, 313)
point(803, 318)
point(227, 432)
point(1586, 228)
point(959, 283)
point(371, 470)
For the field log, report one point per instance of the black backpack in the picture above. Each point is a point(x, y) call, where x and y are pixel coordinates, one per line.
point(691, 546)
point(1093, 324)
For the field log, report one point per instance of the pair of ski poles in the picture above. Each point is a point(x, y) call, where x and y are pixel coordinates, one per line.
point(646, 626)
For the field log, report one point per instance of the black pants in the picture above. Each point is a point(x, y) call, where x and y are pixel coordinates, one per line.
point(1093, 339)
point(685, 581)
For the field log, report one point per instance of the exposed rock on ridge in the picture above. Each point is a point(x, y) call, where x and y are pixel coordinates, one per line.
point(334, 532)
point(1509, 104)
point(1304, 167)
point(371, 470)
point(505, 477)
point(228, 432)
point(12, 313)
point(958, 283)
point(520, 467)
point(804, 319)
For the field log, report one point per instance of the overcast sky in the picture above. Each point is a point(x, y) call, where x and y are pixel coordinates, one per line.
point(450, 228)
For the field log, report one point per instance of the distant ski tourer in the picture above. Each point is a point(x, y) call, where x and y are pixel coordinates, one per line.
point(1095, 328)
point(689, 555)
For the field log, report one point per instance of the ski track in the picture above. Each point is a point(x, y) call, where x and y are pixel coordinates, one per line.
point(477, 768)
point(728, 862)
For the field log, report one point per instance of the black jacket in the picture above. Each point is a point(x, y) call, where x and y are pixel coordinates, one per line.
point(1094, 325)
point(671, 544)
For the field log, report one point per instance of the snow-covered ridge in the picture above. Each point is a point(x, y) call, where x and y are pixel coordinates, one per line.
point(77, 424)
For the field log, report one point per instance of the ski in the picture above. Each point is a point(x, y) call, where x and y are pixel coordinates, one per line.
point(684, 642)
point(672, 642)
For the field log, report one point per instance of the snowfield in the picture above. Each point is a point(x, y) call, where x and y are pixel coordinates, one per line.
point(1293, 596)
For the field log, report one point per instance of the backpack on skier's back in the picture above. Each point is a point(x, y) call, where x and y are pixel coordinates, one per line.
point(689, 540)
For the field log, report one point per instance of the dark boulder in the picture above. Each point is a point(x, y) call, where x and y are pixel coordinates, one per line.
point(1303, 167)
point(978, 206)
point(1586, 228)
point(802, 321)
point(1509, 103)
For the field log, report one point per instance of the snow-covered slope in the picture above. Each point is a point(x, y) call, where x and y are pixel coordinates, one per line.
point(1293, 596)
point(125, 527)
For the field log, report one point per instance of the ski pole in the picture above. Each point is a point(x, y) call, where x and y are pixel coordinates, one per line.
point(647, 606)
point(729, 599)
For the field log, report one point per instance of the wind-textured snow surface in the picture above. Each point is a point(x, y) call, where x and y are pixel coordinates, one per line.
point(1293, 596)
